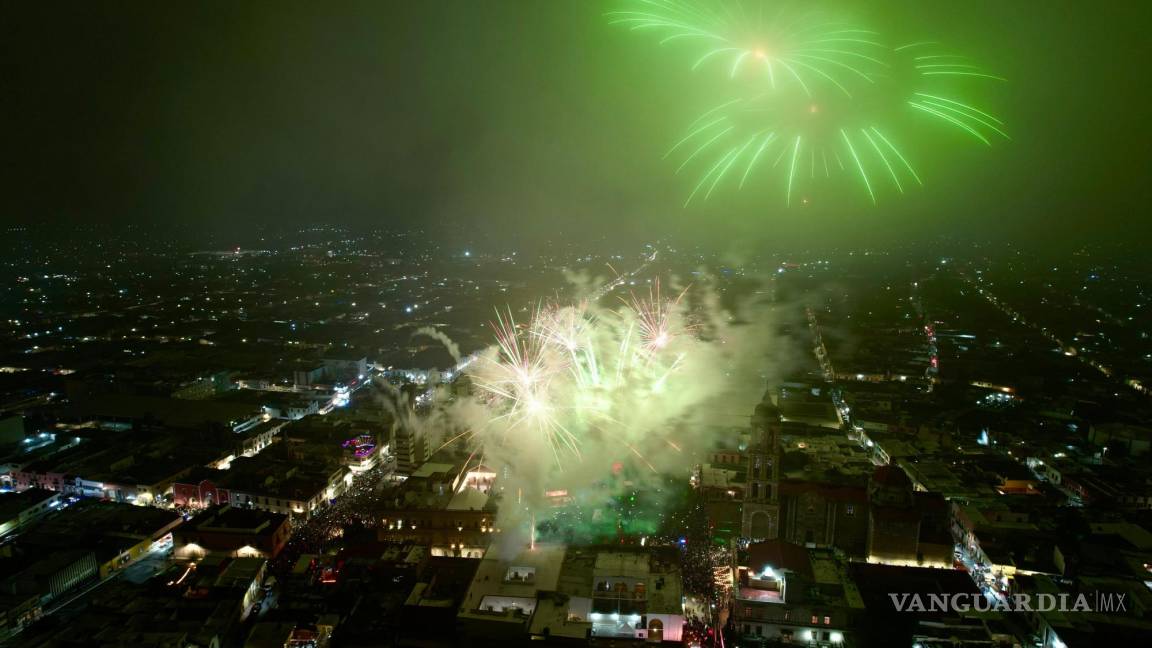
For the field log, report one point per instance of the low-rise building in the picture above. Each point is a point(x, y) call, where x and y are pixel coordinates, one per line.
point(266, 483)
point(19, 509)
point(784, 592)
point(116, 535)
point(557, 593)
point(427, 510)
point(233, 531)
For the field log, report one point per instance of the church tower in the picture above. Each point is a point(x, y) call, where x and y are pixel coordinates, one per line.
point(761, 514)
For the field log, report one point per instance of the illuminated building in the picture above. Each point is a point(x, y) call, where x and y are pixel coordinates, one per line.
point(785, 592)
point(431, 512)
point(634, 594)
point(232, 531)
point(577, 593)
point(761, 511)
point(243, 574)
point(360, 453)
point(263, 483)
point(198, 490)
point(481, 478)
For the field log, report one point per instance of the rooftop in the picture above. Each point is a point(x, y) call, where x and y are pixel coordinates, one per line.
point(429, 469)
point(12, 504)
point(469, 499)
point(519, 577)
point(229, 518)
point(110, 518)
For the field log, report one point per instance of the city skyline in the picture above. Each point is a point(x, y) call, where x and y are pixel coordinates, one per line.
point(232, 118)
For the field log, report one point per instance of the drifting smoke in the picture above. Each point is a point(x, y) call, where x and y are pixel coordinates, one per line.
point(432, 426)
point(449, 344)
point(584, 285)
point(598, 397)
point(397, 402)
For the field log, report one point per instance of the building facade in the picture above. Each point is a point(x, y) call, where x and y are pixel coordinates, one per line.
point(761, 511)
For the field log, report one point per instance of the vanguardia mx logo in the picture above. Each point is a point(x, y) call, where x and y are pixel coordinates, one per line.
point(1063, 602)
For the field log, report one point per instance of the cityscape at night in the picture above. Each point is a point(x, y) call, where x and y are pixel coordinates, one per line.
point(698, 323)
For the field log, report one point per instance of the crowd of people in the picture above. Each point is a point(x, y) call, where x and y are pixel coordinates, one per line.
point(354, 509)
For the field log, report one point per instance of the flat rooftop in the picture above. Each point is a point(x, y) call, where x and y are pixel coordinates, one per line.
point(236, 519)
point(12, 504)
point(519, 577)
point(430, 468)
point(111, 518)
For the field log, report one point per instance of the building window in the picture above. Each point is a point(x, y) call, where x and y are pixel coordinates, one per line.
point(850, 509)
point(827, 620)
point(815, 619)
point(755, 490)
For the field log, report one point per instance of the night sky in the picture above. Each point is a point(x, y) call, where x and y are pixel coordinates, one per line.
point(524, 120)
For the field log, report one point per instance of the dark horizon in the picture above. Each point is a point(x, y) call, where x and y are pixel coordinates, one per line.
point(521, 119)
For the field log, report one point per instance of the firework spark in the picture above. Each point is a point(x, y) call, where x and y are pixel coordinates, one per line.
point(759, 40)
point(520, 380)
point(935, 94)
point(558, 379)
point(654, 318)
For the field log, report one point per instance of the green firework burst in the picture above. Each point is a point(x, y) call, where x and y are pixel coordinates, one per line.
point(797, 146)
point(759, 40)
point(824, 102)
